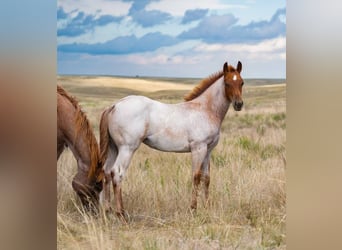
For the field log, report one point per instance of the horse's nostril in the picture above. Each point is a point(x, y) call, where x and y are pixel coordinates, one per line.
point(238, 105)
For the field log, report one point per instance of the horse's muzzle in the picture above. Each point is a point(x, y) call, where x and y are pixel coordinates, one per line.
point(238, 105)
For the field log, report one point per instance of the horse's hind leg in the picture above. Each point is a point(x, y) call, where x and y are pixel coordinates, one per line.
point(106, 191)
point(105, 194)
point(198, 153)
point(117, 173)
point(120, 212)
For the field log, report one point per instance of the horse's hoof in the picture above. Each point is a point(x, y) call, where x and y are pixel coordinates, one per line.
point(121, 215)
point(108, 209)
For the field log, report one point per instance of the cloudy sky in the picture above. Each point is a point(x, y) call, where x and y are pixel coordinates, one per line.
point(174, 38)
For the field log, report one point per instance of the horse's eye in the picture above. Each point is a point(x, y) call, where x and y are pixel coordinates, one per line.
point(242, 83)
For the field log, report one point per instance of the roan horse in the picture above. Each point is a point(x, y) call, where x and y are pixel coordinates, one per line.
point(75, 132)
point(191, 126)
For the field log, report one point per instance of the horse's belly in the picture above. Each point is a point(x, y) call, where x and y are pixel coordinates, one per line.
point(168, 143)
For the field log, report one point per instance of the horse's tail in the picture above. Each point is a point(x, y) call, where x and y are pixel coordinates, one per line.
point(108, 149)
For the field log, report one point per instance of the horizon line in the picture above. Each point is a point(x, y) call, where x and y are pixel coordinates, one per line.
point(148, 76)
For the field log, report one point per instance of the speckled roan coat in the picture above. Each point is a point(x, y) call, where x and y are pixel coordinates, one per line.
point(191, 126)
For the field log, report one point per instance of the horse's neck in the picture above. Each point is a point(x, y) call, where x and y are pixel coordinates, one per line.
point(76, 139)
point(215, 100)
point(78, 143)
point(81, 152)
point(87, 149)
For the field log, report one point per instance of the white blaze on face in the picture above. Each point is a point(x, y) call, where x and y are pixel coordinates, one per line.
point(234, 78)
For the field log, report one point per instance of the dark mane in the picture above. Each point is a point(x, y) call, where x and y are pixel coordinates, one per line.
point(203, 85)
point(82, 125)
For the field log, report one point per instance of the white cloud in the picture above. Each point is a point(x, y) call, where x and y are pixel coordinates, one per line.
point(209, 56)
point(99, 7)
point(160, 59)
point(283, 56)
point(266, 46)
point(178, 7)
point(180, 54)
point(143, 59)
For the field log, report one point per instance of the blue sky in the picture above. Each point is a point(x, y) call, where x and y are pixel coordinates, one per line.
point(174, 38)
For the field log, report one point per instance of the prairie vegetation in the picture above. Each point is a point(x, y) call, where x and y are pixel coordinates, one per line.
point(247, 190)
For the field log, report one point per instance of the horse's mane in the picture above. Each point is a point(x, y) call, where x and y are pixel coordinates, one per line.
point(82, 124)
point(203, 85)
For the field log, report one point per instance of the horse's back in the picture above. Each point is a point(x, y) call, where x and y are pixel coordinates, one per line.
point(131, 108)
point(129, 119)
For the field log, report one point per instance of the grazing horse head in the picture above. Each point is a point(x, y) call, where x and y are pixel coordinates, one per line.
point(233, 85)
point(88, 189)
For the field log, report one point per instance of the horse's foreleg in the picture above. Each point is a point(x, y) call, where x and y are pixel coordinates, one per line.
point(198, 154)
point(196, 179)
point(206, 179)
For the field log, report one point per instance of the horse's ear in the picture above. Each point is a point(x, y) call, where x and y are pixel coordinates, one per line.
point(225, 67)
point(239, 67)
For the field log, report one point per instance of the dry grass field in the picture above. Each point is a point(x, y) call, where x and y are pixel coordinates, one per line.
point(247, 190)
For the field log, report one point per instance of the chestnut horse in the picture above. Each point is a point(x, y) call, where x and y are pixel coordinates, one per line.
point(191, 126)
point(75, 132)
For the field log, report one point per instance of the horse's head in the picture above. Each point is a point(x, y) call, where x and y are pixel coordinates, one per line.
point(233, 85)
point(89, 193)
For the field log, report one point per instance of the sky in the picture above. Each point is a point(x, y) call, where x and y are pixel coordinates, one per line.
point(171, 38)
